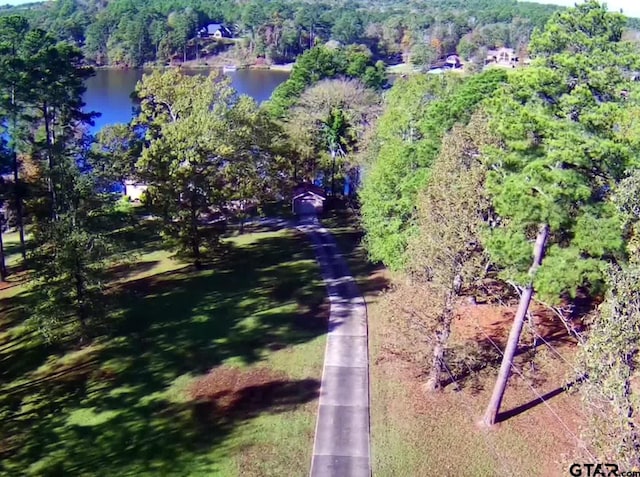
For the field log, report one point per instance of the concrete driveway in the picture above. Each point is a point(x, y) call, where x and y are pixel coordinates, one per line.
point(342, 439)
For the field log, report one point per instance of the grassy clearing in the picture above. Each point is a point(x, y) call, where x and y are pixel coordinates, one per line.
point(125, 404)
point(418, 434)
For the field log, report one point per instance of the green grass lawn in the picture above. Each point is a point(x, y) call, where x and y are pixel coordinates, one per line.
point(212, 372)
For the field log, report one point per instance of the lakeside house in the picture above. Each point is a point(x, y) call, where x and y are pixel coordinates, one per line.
point(215, 30)
point(449, 62)
point(308, 199)
point(505, 57)
point(134, 190)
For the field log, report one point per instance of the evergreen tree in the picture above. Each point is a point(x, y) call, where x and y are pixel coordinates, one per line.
point(69, 256)
point(419, 111)
point(57, 76)
point(14, 94)
point(565, 127)
point(4, 167)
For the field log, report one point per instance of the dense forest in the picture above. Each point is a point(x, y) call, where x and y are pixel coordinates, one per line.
point(135, 32)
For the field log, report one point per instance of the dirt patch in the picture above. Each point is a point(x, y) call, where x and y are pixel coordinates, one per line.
point(480, 322)
point(227, 391)
point(18, 277)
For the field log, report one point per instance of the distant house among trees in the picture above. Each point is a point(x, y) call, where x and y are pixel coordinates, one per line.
point(450, 62)
point(134, 190)
point(308, 199)
point(214, 30)
point(505, 57)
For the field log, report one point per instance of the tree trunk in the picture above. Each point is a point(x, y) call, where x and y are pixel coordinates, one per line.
point(3, 266)
point(491, 413)
point(242, 219)
point(17, 189)
point(50, 160)
point(195, 237)
point(80, 296)
point(434, 382)
point(333, 172)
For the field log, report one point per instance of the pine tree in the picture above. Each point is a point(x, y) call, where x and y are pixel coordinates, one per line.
point(564, 125)
point(14, 90)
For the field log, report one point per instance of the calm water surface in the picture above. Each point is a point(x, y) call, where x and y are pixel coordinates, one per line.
point(109, 91)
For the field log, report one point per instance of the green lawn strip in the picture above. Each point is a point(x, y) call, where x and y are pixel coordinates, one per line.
point(11, 248)
point(119, 406)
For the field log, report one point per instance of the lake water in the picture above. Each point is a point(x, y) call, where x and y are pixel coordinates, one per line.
point(109, 91)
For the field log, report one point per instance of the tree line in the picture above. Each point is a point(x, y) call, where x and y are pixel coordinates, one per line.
point(528, 179)
point(135, 32)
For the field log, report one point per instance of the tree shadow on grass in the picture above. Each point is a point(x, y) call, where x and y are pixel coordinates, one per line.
point(542, 399)
point(122, 410)
point(139, 236)
point(14, 248)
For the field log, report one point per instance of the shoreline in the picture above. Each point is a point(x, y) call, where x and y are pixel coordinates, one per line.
point(285, 68)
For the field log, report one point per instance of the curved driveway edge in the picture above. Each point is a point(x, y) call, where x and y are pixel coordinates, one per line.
point(342, 440)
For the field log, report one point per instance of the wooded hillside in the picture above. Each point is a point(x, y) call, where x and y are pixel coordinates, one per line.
point(133, 32)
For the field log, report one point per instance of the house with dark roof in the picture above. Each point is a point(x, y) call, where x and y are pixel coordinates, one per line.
point(308, 199)
point(214, 30)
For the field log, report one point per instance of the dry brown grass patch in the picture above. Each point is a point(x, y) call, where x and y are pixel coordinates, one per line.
point(229, 391)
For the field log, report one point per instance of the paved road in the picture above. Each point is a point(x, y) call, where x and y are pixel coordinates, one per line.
point(341, 447)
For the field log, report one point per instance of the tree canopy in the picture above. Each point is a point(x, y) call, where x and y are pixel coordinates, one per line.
point(133, 32)
point(419, 111)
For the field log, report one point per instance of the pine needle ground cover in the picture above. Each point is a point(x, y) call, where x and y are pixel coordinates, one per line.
point(211, 372)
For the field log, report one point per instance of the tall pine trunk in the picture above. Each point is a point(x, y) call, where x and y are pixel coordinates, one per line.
point(50, 159)
point(17, 189)
point(491, 413)
point(17, 197)
point(3, 266)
